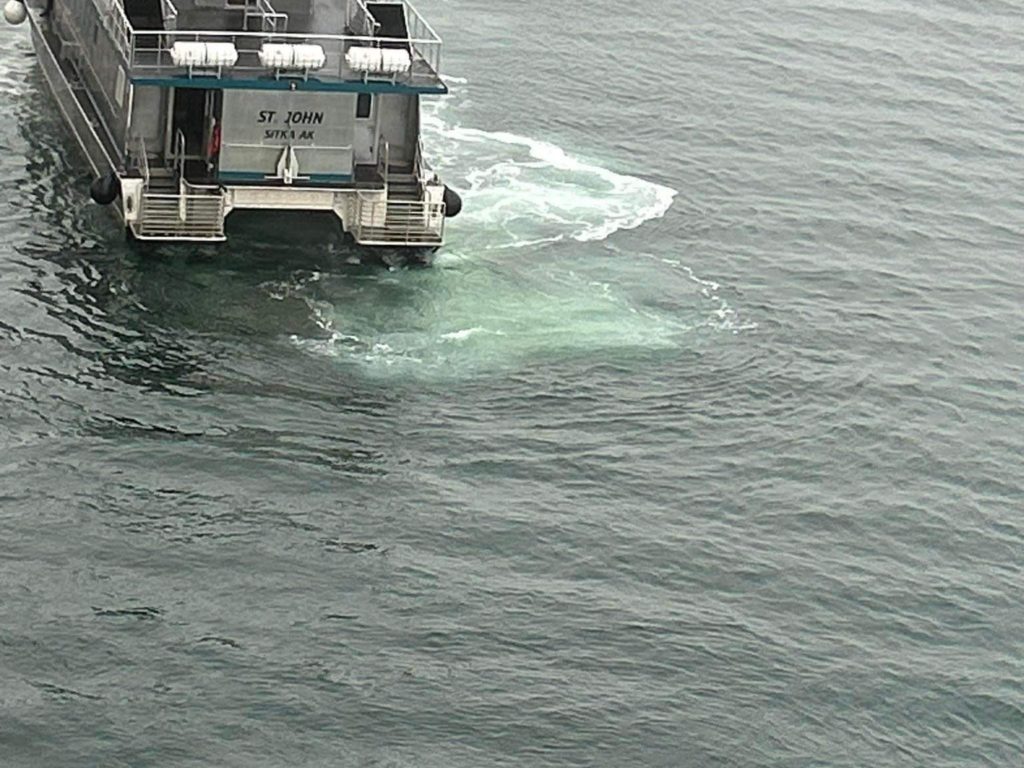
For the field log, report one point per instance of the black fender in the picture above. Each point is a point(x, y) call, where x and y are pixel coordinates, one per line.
point(105, 189)
point(452, 202)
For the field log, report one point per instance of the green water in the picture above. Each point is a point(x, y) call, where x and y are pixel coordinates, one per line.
point(699, 444)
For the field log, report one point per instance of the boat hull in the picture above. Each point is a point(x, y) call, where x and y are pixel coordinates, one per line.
point(184, 212)
point(63, 95)
point(75, 118)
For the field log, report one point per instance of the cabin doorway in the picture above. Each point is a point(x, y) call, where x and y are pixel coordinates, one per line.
point(364, 134)
point(193, 131)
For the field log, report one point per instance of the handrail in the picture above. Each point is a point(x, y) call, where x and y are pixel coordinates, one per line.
point(168, 216)
point(113, 10)
point(269, 18)
point(179, 160)
point(85, 130)
point(419, 17)
point(420, 29)
point(424, 172)
point(138, 145)
point(112, 13)
point(417, 166)
point(117, 10)
point(413, 222)
point(281, 37)
point(369, 25)
point(192, 190)
point(382, 143)
point(151, 53)
point(169, 14)
point(147, 52)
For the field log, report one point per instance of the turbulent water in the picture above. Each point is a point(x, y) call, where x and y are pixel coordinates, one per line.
point(700, 444)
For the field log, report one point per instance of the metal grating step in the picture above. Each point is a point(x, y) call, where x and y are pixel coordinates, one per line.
point(388, 236)
point(180, 217)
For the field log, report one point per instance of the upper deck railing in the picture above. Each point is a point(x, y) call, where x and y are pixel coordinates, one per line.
point(150, 55)
point(359, 19)
point(147, 53)
point(115, 21)
point(169, 14)
point(269, 19)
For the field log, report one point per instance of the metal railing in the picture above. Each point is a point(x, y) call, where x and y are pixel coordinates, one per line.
point(148, 51)
point(165, 216)
point(180, 146)
point(420, 31)
point(89, 19)
point(137, 157)
point(421, 168)
point(206, 190)
point(270, 20)
point(150, 54)
point(383, 159)
point(115, 21)
point(359, 19)
point(196, 212)
point(83, 127)
point(371, 210)
point(406, 223)
point(169, 13)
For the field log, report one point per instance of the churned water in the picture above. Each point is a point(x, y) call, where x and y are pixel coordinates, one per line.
point(700, 445)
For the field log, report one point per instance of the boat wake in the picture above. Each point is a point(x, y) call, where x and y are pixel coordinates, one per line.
point(429, 325)
point(524, 192)
point(480, 311)
point(532, 273)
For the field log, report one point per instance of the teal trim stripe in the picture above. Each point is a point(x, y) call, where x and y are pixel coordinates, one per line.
point(241, 176)
point(330, 178)
point(225, 83)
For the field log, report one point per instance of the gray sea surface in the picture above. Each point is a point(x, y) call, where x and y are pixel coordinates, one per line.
point(700, 444)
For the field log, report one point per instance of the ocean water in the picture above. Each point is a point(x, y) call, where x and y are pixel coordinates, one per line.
point(699, 445)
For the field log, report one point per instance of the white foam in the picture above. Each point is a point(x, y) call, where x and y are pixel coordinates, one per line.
point(525, 192)
point(723, 317)
point(472, 314)
point(464, 334)
point(471, 320)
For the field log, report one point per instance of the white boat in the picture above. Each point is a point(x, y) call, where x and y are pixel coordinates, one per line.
point(188, 110)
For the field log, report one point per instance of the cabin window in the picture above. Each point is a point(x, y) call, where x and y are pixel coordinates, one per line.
point(363, 103)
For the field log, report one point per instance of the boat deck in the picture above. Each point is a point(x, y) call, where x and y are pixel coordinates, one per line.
point(156, 25)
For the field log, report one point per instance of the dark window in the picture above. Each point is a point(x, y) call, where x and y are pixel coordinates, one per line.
point(363, 102)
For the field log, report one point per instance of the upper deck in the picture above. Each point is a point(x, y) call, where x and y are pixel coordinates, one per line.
point(301, 45)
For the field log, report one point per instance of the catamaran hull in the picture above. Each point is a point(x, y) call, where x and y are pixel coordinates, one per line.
point(77, 122)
